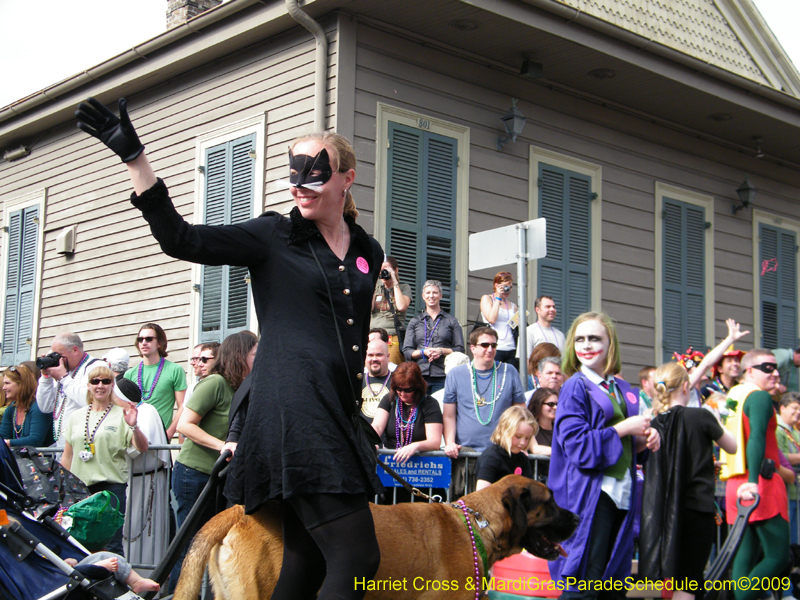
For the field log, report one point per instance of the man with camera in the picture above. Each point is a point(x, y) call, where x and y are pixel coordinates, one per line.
point(389, 305)
point(64, 382)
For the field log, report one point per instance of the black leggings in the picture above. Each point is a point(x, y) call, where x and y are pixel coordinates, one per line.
point(328, 558)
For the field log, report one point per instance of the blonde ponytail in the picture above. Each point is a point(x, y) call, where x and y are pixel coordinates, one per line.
point(667, 379)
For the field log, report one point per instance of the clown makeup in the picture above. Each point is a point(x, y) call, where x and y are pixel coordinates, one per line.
point(591, 345)
point(311, 172)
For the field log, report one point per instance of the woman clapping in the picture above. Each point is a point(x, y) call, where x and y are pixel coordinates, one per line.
point(432, 335)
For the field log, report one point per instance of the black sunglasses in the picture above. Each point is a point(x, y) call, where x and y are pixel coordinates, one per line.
point(99, 381)
point(766, 367)
point(147, 339)
point(550, 404)
point(405, 390)
point(205, 359)
point(487, 344)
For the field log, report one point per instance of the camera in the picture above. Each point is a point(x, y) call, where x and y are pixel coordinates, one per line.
point(506, 288)
point(384, 274)
point(48, 360)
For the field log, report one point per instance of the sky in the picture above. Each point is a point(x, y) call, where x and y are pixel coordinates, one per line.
point(46, 41)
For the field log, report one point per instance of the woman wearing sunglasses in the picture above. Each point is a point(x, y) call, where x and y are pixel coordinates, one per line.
point(204, 424)
point(23, 423)
point(411, 419)
point(498, 310)
point(97, 439)
point(543, 405)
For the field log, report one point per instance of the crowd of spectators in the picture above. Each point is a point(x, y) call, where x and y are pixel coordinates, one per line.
point(105, 412)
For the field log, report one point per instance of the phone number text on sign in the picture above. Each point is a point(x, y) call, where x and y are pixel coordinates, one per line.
point(419, 471)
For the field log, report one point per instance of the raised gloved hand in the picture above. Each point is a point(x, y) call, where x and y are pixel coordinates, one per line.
point(115, 132)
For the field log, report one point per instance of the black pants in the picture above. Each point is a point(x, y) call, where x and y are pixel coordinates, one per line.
point(330, 557)
point(508, 356)
point(605, 528)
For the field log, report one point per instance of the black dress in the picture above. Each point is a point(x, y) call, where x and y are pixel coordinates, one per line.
point(299, 435)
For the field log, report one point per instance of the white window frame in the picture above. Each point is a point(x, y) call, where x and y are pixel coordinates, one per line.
point(760, 216)
point(35, 198)
point(707, 203)
point(215, 137)
point(461, 134)
point(595, 173)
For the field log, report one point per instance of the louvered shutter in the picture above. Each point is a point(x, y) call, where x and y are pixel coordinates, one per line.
point(23, 236)
point(421, 203)
point(683, 272)
point(778, 253)
point(439, 202)
point(565, 274)
point(229, 189)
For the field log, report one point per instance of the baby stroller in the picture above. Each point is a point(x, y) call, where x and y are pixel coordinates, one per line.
point(32, 551)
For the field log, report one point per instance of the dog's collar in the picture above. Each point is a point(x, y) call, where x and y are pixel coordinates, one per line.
point(482, 523)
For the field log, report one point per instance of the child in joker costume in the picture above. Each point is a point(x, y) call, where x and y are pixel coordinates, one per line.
point(597, 435)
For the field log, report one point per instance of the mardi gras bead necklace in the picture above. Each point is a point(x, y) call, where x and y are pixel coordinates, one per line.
point(61, 400)
point(146, 395)
point(404, 429)
point(479, 400)
point(88, 441)
point(18, 430)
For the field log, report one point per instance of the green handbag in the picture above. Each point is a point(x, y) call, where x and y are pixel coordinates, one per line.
point(95, 520)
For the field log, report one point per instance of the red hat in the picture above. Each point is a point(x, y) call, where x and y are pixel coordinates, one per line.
point(730, 352)
point(691, 359)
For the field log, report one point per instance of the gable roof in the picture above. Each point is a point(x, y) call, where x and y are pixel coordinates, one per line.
point(729, 34)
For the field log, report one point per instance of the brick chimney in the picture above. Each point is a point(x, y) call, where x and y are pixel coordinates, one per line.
point(180, 11)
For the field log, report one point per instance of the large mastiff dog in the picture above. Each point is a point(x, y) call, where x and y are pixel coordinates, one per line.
point(426, 550)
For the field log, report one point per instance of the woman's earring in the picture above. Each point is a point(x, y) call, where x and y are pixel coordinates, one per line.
point(344, 192)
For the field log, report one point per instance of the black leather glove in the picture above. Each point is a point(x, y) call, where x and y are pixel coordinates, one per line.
point(115, 132)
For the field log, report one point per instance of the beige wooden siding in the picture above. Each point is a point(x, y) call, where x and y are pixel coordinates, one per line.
point(634, 154)
point(119, 278)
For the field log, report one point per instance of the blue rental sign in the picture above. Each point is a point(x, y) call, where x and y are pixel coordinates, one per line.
point(419, 471)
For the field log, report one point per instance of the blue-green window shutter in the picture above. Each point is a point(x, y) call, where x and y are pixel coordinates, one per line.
point(778, 252)
point(683, 273)
point(565, 274)
point(421, 207)
point(23, 236)
point(228, 198)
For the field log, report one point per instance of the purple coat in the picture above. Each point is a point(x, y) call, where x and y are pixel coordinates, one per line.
point(584, 445)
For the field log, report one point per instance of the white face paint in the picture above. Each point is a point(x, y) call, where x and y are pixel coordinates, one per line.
point(591, 345)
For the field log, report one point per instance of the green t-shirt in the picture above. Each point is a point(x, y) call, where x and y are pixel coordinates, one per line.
point(211, 400)
point(171, 380)
point(111, 443)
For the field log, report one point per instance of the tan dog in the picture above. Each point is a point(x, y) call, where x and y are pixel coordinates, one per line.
point(426, 551)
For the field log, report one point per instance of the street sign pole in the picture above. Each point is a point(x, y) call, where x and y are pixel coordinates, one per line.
point(522, 290)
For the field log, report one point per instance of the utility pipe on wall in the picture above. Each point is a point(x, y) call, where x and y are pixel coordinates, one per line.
point(320, 61)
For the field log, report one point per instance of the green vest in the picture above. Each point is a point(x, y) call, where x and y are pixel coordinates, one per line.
point(618, 469)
